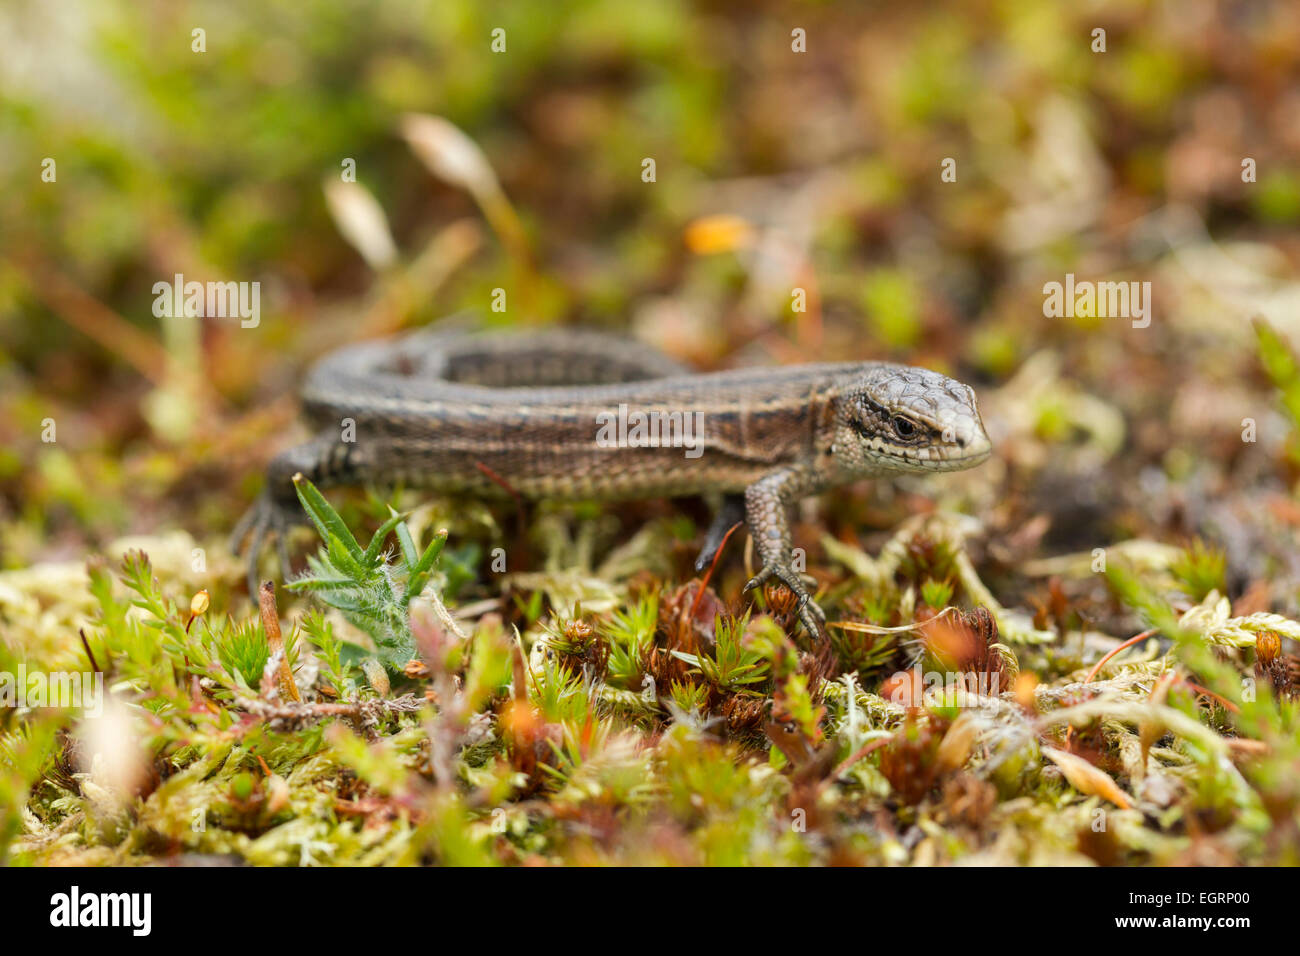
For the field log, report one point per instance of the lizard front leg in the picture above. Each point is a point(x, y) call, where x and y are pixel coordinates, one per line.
point(767, 502)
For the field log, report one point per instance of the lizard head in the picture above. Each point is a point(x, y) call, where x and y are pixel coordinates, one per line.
point(900, 418)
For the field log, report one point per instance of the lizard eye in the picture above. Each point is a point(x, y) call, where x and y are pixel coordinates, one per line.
point(903, 427)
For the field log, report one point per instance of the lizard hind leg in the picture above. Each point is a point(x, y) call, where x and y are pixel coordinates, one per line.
point(266, 520)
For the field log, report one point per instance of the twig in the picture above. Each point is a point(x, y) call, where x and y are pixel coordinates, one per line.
point(97, 321)
point(1129, 643)
point(496, 479)
point(94, 665)
point(857, 755)
point(271, 624)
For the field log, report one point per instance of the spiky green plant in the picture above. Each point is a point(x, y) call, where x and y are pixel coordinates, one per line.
point(1200, 569)
point(631, 634)
point(560, 693)
point(692, 698)
point(1283, 369)
point(863, 653)
point(330, 650)
point(732, 665)
point(245, 650)
point(936, 594)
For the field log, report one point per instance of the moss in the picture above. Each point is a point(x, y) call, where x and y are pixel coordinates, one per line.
point(496, 750)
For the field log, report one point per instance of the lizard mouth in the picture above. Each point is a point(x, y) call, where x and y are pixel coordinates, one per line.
point(964, 456)
point(966, 452)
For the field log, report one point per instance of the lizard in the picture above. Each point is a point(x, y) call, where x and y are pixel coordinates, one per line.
point(586, 415)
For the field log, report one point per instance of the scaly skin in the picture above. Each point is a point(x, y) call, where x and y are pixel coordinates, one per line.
point(461, 412)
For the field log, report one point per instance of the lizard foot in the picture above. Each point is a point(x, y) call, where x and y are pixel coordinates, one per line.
point(810, 614)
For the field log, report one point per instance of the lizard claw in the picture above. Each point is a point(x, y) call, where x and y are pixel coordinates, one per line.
point(810, 614)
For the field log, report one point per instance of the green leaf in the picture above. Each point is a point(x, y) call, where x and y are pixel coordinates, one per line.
point(320, 584)
point(431, 553)
point(341, 557)
point(381, 535)
point(420, 573)
point(324, 517)
point(409, 552)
